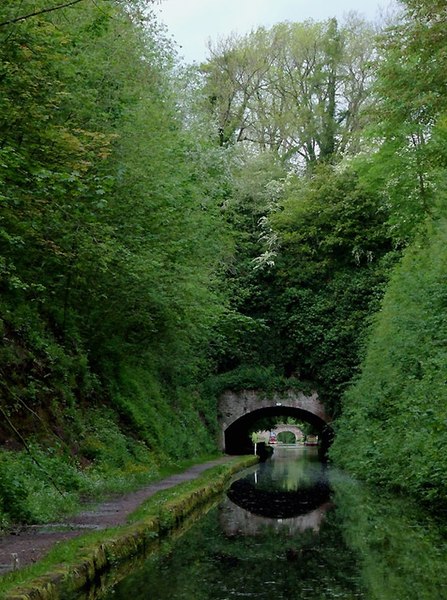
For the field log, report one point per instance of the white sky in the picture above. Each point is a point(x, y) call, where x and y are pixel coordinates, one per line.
point(193, 22)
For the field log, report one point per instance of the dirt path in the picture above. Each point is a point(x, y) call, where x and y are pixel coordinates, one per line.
point(29, 544)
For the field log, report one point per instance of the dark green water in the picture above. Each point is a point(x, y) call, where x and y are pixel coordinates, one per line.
point(292, 529)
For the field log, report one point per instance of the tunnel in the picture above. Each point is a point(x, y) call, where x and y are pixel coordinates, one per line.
point(237, 435)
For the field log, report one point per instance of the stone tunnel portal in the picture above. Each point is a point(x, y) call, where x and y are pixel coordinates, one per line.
point(239, 412)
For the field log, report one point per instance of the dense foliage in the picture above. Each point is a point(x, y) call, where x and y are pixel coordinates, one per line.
point(393, 430)
point(311, 239)
point(273, 218)
point(109, 242)
point(393, 427)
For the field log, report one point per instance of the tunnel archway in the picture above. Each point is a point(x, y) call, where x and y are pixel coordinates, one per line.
point(286, 437)
point(237, 435)
point(238, 412)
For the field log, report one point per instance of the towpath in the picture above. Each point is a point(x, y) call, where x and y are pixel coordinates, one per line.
point(26, 545)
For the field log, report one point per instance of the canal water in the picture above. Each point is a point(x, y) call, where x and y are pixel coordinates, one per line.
point(291, 529)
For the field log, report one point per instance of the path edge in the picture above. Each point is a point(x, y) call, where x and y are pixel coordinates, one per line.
point(120, 544)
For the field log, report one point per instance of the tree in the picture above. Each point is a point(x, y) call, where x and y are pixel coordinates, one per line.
point(410, 117)
point(392, 430)
point(291, 96)
point(297, 89)
point(331, 265)
point(110, 241)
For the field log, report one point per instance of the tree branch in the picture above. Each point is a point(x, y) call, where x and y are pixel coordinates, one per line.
point(39, 12)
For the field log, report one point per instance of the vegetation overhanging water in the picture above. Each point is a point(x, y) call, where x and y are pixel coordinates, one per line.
point(274, 217)
point(331, 538)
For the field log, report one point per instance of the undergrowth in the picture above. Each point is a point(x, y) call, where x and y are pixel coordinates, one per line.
point(46, 481)
point(266, 379)
point(155, 512)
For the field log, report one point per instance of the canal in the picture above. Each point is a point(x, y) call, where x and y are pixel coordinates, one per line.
point(293, 528)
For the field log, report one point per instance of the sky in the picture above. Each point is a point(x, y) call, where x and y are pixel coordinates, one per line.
point(193, 22)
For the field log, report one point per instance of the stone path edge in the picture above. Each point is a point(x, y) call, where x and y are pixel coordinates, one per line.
point(64, 579)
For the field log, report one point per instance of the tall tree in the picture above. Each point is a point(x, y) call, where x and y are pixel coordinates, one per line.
point(109, 242)
point(297, 88)
point(410, 109)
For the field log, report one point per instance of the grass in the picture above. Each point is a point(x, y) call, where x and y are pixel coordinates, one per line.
point(74, 564)
point(38, 493)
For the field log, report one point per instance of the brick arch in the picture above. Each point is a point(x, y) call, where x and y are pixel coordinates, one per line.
point(238, 410)
point(283, 428)
point(280, 428)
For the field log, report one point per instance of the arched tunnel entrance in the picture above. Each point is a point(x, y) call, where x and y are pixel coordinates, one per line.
point(237, 435)
point(239, 411)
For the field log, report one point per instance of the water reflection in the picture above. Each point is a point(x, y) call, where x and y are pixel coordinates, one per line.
point(360, 545)
point(403, 548)
point(283, 488)
point(289, 470)
point(235, 520)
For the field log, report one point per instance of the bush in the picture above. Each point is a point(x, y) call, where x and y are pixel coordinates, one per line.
point(37, 486)
point(245, 377)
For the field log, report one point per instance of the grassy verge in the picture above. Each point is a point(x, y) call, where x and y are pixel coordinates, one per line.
point(45, 486)
point(74, 565)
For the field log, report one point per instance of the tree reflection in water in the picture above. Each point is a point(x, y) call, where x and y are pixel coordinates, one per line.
point(360, 545)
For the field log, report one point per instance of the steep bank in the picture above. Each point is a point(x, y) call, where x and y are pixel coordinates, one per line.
point(393, 429)
point(135, 438)
point(108, 249)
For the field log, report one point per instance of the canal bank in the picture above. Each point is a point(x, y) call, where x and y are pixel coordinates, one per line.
point(75, 564)
point(294, 528)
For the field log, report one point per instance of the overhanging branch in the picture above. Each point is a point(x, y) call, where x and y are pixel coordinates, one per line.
point(39, 12)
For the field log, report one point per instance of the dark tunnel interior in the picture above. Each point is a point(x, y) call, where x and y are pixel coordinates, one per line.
point(237, 435)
